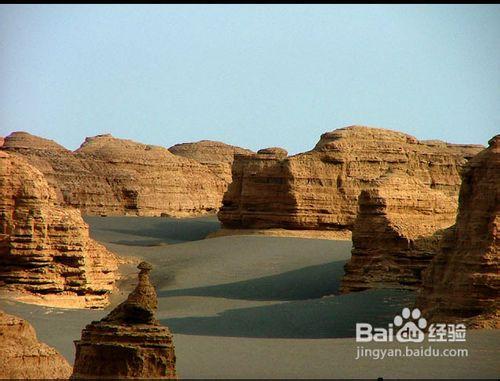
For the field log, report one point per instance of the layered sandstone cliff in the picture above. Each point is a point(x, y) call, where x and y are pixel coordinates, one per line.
point(113, 176)
point(217, 156)
point(319, 189)
point(150, 180)
point(463, 280)
point(22, 356)
point(45, 250)
point(129, 342)
point(396, 233)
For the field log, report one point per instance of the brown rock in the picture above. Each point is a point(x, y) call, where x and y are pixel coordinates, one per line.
point(149, 180)
point(110, 176)
point(319, 189)
point(217, 156)
point(463, 280)
point(45, 249)
point(396, 233)
point(129, 342)
point(23, 356)
point(278, 152)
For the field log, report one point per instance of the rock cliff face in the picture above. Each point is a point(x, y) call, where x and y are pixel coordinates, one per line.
point(319, 189)
point(150, 180)
point(23, 356)
point(129, 342)
point(45, 250)
point(113, 176)
point(217, 156)
point(463, 280)
point(396, 233)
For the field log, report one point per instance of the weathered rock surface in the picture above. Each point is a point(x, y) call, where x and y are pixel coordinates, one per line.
point(45, 250)
point(396, 233)
point(217, 156)
point(129, 342)
point(110, 176)
point(463, 280)
point(22, 356)
point(319, 189)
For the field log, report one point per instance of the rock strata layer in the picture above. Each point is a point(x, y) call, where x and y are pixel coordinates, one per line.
point(45, 250)
point(463, 280)
point(129, 342)
point(22, 356)
point(110, 176)
point(396, 233)
point(319, 189)
point(217, 156)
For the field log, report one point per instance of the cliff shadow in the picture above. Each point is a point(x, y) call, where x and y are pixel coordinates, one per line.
point(154, 230)
point(306, 283)
point(328, 317)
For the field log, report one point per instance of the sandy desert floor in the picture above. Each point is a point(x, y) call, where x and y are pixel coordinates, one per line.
point(256, 306)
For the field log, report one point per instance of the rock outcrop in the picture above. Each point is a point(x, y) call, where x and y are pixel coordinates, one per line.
point(22, 356)
point(217, 156)
point(110, 176)
point(463, 280)
point(46, 254)
point(396, 233)
point(129, 342)
point(150, 180)
point(319, 189)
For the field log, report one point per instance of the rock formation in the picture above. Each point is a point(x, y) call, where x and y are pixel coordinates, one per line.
point(396, 233)
point(129, 342)
point(110, 176)
point(23, 356)
point(217, 156)
point(319, 189)
point(45, 250)
point(463, 280)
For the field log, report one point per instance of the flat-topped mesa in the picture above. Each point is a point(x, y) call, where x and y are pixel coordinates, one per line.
point(318, 189)
point(110, 176)
point(129, 342)
point(22, 356)
point(73, 181)
point(462, 283)
point(150, 180)
point(216, 156)
point(259, 195)
point(396, 233)
point(46, 254)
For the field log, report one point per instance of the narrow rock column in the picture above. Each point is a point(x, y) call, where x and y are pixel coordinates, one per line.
point(129, 342)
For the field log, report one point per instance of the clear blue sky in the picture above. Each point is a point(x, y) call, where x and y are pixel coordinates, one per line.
point(249, 75)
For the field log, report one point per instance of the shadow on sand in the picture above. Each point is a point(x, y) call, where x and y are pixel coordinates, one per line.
point(157, 231)
point(328, 317)
point(306, 283)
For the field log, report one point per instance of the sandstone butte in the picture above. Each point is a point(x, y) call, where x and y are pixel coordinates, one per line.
point(22, 356)
point(46, 255)
point(110, 176)
point(396, 233)
point(129, 342)
point(319, 189)
point(217, 156)
point(463, 280)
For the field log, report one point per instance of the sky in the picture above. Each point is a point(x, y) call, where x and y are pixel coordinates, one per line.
point(249, 75)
